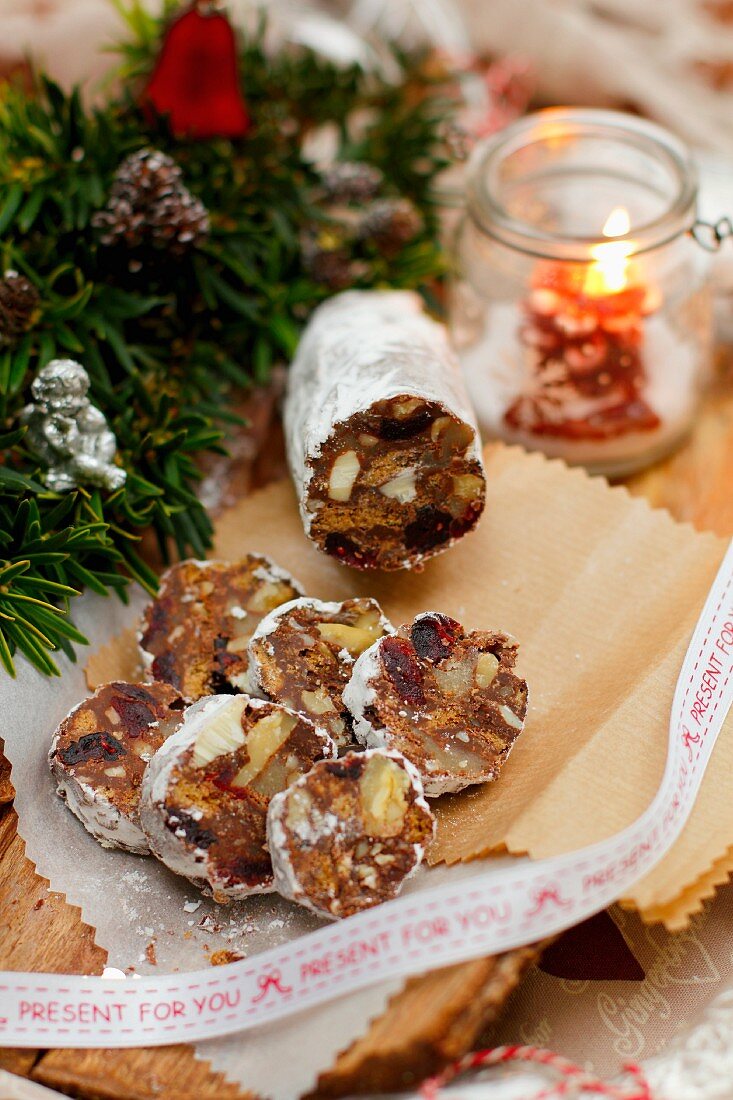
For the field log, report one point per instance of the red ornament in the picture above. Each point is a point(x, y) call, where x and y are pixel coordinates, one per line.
point(195, 80)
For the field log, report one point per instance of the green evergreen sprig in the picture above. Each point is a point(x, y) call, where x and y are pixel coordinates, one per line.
point(169, 343)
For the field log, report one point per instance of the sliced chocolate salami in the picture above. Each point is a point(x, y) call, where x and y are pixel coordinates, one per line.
point(348, 834)
point(448, 699)
point(302, 654)
point(205, 794)
point(195, 634)
point(99, 754)
point(382, 443)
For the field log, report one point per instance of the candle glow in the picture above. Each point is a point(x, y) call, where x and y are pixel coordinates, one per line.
point(609, 271)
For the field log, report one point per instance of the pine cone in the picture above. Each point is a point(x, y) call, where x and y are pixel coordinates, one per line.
point(390, 224)
point(327, 259)
point(19, 300)
point(150, 205)
point(351, 181)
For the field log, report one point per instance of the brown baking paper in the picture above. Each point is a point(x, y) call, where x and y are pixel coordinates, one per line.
point(603, 593)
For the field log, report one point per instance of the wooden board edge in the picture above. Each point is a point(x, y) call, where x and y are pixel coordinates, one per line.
point(438, 1018)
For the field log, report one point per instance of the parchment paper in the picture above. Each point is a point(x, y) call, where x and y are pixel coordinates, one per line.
point(603, 594)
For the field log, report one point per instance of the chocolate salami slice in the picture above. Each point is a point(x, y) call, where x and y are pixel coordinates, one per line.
point(302, 654)
point(99, 754)
point(382, 442)
point(205, 794)
point(195, 633)
point(348, 834)
point(448, 699)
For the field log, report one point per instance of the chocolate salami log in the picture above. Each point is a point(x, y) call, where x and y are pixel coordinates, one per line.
point(382, 443)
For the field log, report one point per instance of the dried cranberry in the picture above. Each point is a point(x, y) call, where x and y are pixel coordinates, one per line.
point(350, 770)
point(403, 668)
point(92, 746)
point(157, 620)
point(434, 636)
point(249, 871)
point(222, 780)
point(393, 429)
point(347, 551)
point(468, 520)
point(430, 527)
point(135, 691)
point(164, 668)
point(180, 822)
point(134, 707)
point(222, 656)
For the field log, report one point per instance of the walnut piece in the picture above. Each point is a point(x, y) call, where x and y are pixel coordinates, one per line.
point(487, 667)
point(402, 487)
point(383, 788)
point(355, 638)
point(270, 595)
point(344, 473)
point(223, 733)
point(467, 486)
point(263, 741)
point(318, 702)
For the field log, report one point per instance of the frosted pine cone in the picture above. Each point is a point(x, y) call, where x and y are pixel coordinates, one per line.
point(327, 260)
point(390, 224)
point(19, 301)
point(351, 181)
point(150, 205)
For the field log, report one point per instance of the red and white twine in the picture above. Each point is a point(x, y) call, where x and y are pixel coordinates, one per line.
point(571, 1078)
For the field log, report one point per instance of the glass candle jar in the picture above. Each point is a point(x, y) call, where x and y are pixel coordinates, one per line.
point(580, 306)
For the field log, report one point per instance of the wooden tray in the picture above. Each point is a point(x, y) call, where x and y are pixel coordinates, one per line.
point(437, 1017)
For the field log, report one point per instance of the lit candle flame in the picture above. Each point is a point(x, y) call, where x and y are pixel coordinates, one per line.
point(608, 274)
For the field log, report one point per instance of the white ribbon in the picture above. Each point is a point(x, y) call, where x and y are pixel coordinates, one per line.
point(495, 910)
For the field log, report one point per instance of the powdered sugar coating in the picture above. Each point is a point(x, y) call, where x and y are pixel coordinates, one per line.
point(100, 817)
point(359, 693)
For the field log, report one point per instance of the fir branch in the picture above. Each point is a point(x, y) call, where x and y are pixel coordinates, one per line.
point(169, 342)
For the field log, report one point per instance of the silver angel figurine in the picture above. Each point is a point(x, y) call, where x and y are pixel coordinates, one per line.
point(70, 434)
